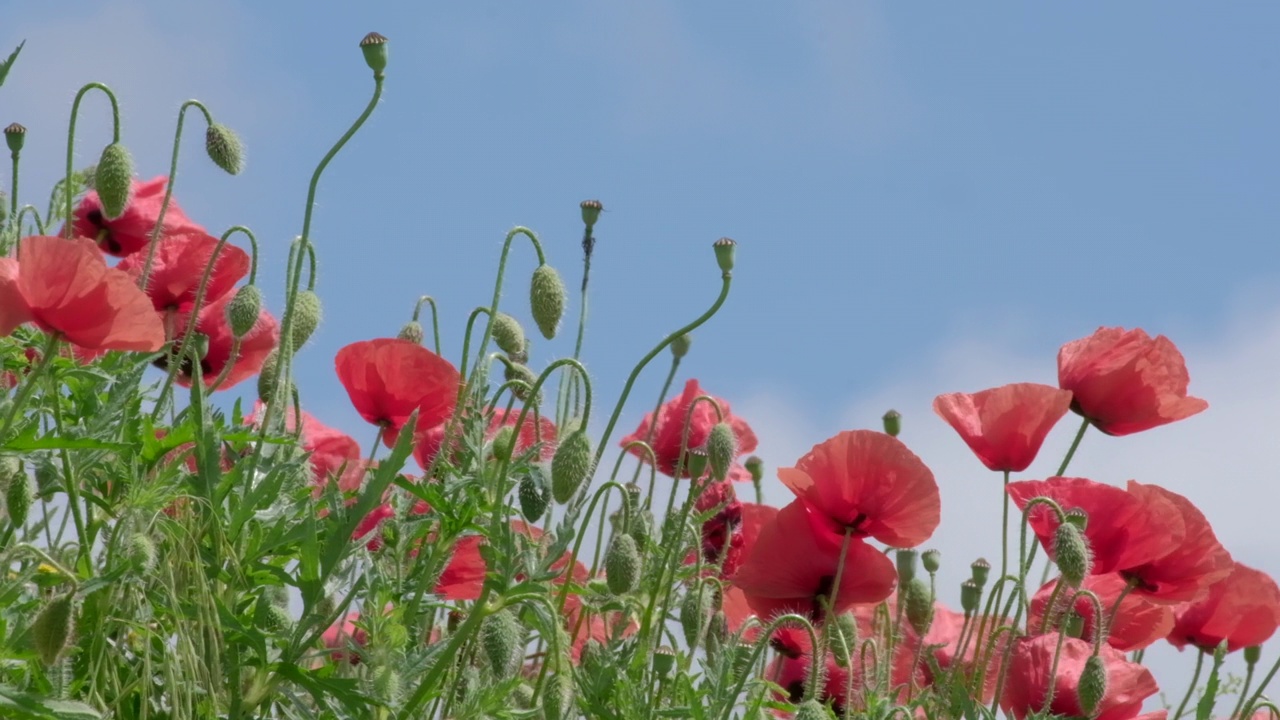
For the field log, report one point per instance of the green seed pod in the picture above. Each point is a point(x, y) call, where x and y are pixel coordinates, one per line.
point(892, 423)
point(906, 560)
point(500, 636)
point(374, 48)
point(919, 605)
point(622, 564)
point(571, 466)
point(695, 612)
point(17, 499)
point(970, 596)
point(503, 443)
point(224, 148)
point(664, 660)
point(507, 334)
point(534, 497)
point(412, 331)
point(307, 313)
point(844, 638)
point(725, 249)
point(1071, 552)
point(51, 631)
point(547, 297)
point(1093, 685)
point(386, 684)
point(680, 346)
point(1079, 518)
point(980, 571)
point(932, 560)
point(1073, 625)
point(115, 180)
point(1253, 654)
point(812, 710)
point(590, 212)
point(722, 448)
point(557, 696)
point(696, 460)
point(244, 309)
point(755, 466)
point(516, 371)
point(142, 552)
point(15, 136)
point(267, 377)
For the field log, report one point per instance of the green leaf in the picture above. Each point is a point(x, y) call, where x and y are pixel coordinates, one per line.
point(1204, 708)
point(7, 65)
point(55, 442)
point(23, 706)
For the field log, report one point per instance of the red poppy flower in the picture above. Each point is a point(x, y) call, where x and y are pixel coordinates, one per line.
point(792, 675)
point(387, 379)
point(791, 569)
point(370, 522)
point(1005, 426)
point(331, 450)
point(667, 435)
point(463, 577)
point(721, 536)
point(1128, 684)
point(1186, 570)
point(584, 625)
point(1243, 609)
point(342, 635)
point(1137, 623)
point(943, 639)
point(65, 286)
point(1123, 530)
point(131, 232)
point(869, 483)
point(255, 346)
point(179, 265)
point(1125, 382)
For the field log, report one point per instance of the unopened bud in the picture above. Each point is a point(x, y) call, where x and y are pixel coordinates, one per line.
point(507, 334)
point(374, 47)
point(812, 710)
point(51, 631)
point(503, 443)
point(18, 498)
point(1093, 685)
point(680, 346)
point(547, 296)
point(970, 596)
point(725, 248)
point(412, 331)
point(755, 466)
point(722, 448)
point(500, 637)
point(844, 638)
point(557, 696)
point(15, 136)
point(224, 148)
point(1071, 552)
point(642, 527)
point(142, 552)
point(981, 570)
point(115, 180)
point(571, 466)
point(267, 377)
point(622, 564)
point(386, 684)
point(528, 378)
point(932, 560)
point(307, 313)
point(1253, 654)
point(906, 560)
point(1073, 625)
point(919, 602)
point(534, 497)
point(277, 619)
point(244, 309)
point(892, 423)
point(696, 611)
point(590, 212)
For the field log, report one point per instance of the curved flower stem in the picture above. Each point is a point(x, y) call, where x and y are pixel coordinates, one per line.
point(653, 425)
point(35, 213)
point(577, 543)
point(466, 345)
point(1244, 690)
point(435, 320)
point(815, 669)
point(1195, 677)
point(168, 188)
point(50, 349)
point(647, 450)
point(1075, 444)
point(253, 250)
point(71, 141)
point(497, 295)
point(727, 281)
point(1253, 699)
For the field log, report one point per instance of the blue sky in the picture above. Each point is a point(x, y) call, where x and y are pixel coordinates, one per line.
point(926, 199)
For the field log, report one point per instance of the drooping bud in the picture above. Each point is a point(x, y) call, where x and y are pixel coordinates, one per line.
point(642, 526)
point(244, 309)
point(412, 331)
point(10, 469)
point(717, 634)
point(1093, 685)
point(622, 564)
point(18, 498)
point(557, 696)
point(500, 636)
point(1071, 552)
point(516, 371)
point(571, 466)
point(114, 180)
point(534, 497)
point(15, 136)
point(892, 423)
point(307, 313)
point(51, 631)
point(374, 47)
point(547, 297)
point(664, 660)
point(386, 684)
point(906, 560)
point(970, 596)
point(932, 560)
point(755, 466)
point(680, 346)
point(224, 148)
point(725, 248)
point(503, 443)
point(267, 376)
point(812, 710)
point(722, 448)
point(919, 602)
point(142, 553)
point(590, 212)
point(1079, 518)
point(981, 570)
point(278, 618)
point(695, 612)
point(844, 638)
point(507, 334)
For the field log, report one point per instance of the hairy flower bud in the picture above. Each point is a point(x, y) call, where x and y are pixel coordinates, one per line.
point(412, 331)
point(547, 297)
point(695, 612)
point(571, 466)
point(507, 334)
point(892, 423)
point(642, 526)
point(18, 498)
point(278, 619)
point(374, 48)
point(812, 710)
point(680, 346)
point(244, 309)
point(980, 571)
point(622, 564)
point(919, 605)
point(1071, 552)
point(534, 497)
point(51, 631)
point(722, 448)
point(224, 148)
point(906, 560)
point(557, 696)
point(142, 552)
point(844, 638)
point(516, 371)
point(114, 180)
point(500, 636)
point(307, 313)
point(970, 596)
point(1093, 685)
point(590, 212)
point(15, 136)
point(1253, 654)
point(725, 248)
point(267, 376)
point(386, 683)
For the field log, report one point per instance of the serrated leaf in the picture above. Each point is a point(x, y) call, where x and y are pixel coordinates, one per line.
point(21, 706)
point(7, 65)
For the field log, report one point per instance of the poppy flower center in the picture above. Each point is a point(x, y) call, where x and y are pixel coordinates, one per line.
point(103, 237)
point(855, 527)
point(186, 366)
point(820, 596)
point(795, 691)
point(1137, 583)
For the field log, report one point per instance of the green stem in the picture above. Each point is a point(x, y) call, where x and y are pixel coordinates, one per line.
point(653, 426)
point(153, 242)
point(1071, 451)
point(1244, 690)
point(1195, 677)
point(35, 213)
point(435, 319)
point(50, 349)
point(497, 295)
point(443, 660)
point(1004, 529)
point(1253, 699)
point(71, 141)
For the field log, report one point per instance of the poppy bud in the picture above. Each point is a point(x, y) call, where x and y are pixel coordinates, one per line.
point(892, 423)
point(523, 695)
point(507, 334)
point(570, 466)
point(534, 498)
point(696, 461)
point(743, 660)
point(18, 498)
point(557, 696)
point(114, 180)
point(722, 447)
point(844, 638)
point(981, 570)
point(267, 377)
point(642, 526)
point(755, 466)
point(696, 611)
point(919, 602)
point(664, 660)
point(243, 310)
point(306, 317)
point(500, 636)
point(412, 331)
point(1093, 685)
point(1253, 654)
point(224, 148)
point(374, 47)
point(590, 212)
point(277, 619)
point(51, 631)
point(717, 635)
point(622, 564)
point(503, 443)
point(812, 710)
point(594, 658)
point(1079, 518)
point(906, 559)
point(1071, 552)
point(932, 560)
point(516, 371)
point(15, 136)
point(142, 552)
point(10, 469)
point(386, 684)
point(970, 596)
point(724, 248)
point(680, 346)
point(547, 297)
